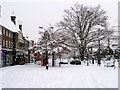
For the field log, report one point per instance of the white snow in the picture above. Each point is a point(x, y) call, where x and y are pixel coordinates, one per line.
point(7, 23)
point(66, 76)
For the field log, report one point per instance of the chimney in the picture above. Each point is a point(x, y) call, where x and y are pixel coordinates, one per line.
point(13, 19)
point(20, 27)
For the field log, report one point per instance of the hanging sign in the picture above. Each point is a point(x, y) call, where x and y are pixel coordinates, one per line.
point(3, 53)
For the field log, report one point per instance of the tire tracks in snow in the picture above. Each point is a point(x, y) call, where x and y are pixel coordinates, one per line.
point(94, 83)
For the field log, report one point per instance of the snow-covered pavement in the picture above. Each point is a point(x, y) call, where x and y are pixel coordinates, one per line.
point(66, 76)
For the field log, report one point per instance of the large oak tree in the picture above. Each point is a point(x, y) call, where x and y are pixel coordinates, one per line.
point(83, 25)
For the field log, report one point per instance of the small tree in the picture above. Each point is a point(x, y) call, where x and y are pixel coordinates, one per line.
point(55, 40)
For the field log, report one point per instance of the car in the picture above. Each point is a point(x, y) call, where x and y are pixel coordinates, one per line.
point(63, 62)
point(109, 63)
point(75, 62)
point(38, 62)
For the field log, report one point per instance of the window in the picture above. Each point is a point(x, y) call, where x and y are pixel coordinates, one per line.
point(6, 43)
point(9, 44)
point(3, 31)
point(6, 32)
point(16, 45)
point(9, 33)
point(3, 43)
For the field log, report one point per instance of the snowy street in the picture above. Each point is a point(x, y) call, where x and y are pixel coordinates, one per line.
point(66, 76)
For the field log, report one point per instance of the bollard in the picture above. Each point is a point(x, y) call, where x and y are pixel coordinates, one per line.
point(47, 66)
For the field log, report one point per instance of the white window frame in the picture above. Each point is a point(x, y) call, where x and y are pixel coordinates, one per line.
point(3, 43)
point(6, 43)
point(9, 34)
point(9, 44)
point(4, 31)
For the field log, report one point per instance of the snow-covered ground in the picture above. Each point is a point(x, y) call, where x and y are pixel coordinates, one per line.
point(66, 76)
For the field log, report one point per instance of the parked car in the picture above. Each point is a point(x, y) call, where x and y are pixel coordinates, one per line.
point(63, 62)
point(38, 62)
point(109, 63)
point(75, 62)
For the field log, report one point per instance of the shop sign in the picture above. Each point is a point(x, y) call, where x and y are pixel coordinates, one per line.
point(3, 53)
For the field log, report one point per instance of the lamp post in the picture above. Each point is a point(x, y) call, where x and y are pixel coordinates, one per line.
point(99, 56)
point(74, 55)
point(46, 37)
point(87, 58)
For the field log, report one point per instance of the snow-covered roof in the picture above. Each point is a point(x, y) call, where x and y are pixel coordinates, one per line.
point(7, 23)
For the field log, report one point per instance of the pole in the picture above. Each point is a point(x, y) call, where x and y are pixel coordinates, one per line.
point(53, 59)
point(87, 58)
point(108, 42)
point(74, 55)
point(99, 53)
point(60, 60)
point(46, 56)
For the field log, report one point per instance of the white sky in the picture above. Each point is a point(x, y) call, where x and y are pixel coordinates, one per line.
point(36, 13)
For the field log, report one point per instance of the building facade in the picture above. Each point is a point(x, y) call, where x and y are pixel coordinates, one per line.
point(14, 46)
point(7, 47)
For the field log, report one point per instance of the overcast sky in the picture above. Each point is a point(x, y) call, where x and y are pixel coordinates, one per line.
point(34, 14)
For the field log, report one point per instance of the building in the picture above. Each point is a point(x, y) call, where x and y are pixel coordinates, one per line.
point(9, 36)
point(0, 37)
point(31, 51)
point(0, 44)
point(15, 47)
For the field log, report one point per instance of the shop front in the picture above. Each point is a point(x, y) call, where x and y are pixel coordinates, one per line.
point(6, 58)
point(20, 58)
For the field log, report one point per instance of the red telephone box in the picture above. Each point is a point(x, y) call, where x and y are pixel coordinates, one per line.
point(43, 61)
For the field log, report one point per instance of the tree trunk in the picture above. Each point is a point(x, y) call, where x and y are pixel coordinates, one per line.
point(82, 55)
point(53, 59)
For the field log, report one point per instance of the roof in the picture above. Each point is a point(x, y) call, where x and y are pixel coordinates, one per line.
point(7, 23)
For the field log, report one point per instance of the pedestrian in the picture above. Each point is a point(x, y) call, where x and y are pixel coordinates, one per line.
point(92, 60)
point(34, 60)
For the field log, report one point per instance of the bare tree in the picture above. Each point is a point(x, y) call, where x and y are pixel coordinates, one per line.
point(83, 25)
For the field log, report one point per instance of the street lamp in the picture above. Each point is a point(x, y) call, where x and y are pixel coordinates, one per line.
point(99, 56)
point(46, 37)
point(87, 57)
